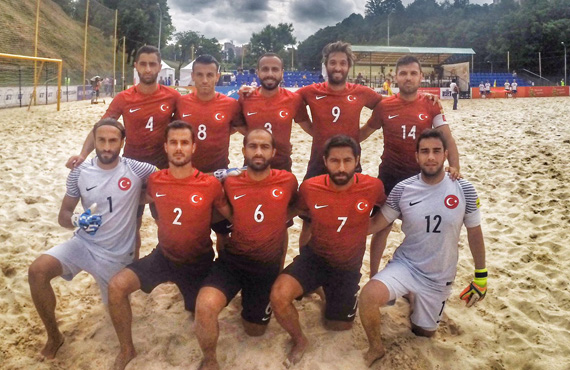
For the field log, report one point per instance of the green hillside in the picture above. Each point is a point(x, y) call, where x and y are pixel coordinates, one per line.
point(59, 37)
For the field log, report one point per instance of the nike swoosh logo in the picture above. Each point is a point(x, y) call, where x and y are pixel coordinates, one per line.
point(320, 97)
point(186, 115)
point(134, 110)
point(390, 117)
point(238, 196)
point(351, 315)
point(265, 319)
point(160, 195)
point(319, 207)
point(91, 188)
point(251, 113)
point(414, 203)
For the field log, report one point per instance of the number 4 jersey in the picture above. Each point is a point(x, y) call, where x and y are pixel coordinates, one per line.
point(432, 216)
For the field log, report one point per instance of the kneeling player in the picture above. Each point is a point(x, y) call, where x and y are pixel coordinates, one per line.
point(339, 205)
point(260, 198)
point(433, 208)
point(184, 198)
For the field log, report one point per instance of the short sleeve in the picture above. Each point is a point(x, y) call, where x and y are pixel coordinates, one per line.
point(472, 216)
point(381, 195)
point(220, 199)
point(391, 209)
point(115, 109)
point(436, 111)
point(371, 97)
point(301, 203)
point(301, 114)
point(237, 118)
point(142, 169)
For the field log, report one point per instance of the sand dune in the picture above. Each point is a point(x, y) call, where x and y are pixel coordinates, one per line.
point(515, 152)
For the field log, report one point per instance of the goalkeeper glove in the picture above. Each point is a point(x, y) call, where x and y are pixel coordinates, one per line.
point(88, 221)
point(477, 289)
point(222, 174)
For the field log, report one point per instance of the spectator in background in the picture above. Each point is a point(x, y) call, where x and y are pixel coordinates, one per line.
point(514, 88)
point(514, 74)
point(177, 82)
point(454, 92)
point(253, 83)
point(169, 81)
point(161, 81)
point(387, 87)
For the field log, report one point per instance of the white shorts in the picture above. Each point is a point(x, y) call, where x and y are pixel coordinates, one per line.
point(428, 303)
point(75, 256)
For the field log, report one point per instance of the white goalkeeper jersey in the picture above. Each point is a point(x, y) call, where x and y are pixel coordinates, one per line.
point(117, 193)
point(432, 216)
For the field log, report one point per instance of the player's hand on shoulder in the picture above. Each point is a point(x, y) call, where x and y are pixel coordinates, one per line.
point(245, 91)
point(74, 161)
point(453, 173)
point(434, 98)
point(222, 174)
point(88, 220)
point(477, 290)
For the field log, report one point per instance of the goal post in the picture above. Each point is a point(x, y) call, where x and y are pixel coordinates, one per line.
point(13, 63)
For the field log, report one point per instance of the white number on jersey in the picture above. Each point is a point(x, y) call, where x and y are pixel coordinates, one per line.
point(202, 132)
point(268, 127)
point(150, 124)
point(178, 212)
point(258, 216)
point(342, 222)
point(411, 134)
point(336, 113)
point(436, 218)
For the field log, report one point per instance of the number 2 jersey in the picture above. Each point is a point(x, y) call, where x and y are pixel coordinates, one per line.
point(117, 193)
point(339, 219)
point(145, 118)
point(184, 208)
point(432, 216)
point(212, 122)
point(402, 122)
point(260, 214)
point(276, 115)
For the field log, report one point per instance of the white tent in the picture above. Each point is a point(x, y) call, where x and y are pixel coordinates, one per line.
point(165, 72)
point(186, 75)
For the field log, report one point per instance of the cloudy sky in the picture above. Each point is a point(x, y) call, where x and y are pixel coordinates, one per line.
point(237, 19)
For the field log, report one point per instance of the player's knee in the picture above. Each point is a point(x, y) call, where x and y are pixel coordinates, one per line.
point(41, 270)
point(280, 295)
point(209, 303)
point(371, 294)
point(120, 285)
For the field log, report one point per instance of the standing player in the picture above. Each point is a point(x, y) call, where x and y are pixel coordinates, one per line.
point(104, 242)
point(433, 208)
point(402, 118)
point(339, 205)
point(507, 88)
point(184, 198)
point(260, 198)
point(213, 117)
point(488, 89)
point(273, 108)
point(482, 89)
point(146, 109)
point(514, 87)
point(336, 104)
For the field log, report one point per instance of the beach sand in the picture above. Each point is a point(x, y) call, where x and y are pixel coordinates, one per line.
point(515, 152)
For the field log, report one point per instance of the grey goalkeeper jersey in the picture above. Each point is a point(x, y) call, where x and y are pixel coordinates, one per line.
point(117, 193)
point(432, 216)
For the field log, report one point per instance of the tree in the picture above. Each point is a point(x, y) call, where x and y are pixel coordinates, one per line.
point(380, 7)
point(272, 39)
point(188, 39)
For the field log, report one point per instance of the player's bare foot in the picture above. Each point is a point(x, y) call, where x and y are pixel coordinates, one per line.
point(373, 355)
point(52, 346)
point(123, 358)
point(209, 365)
point(296, 353)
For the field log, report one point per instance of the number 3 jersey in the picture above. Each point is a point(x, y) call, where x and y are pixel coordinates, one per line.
point(184, 209)
point(260, 214)
point(117, 193)
point(146, 118)
point(402, 122)
point(339, 219)
point(432, 216)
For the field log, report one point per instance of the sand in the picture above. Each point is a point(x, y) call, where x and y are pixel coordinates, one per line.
point(513, 151)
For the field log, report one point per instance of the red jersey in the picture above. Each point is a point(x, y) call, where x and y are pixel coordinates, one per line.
point(212, 123)
point(275, 114)
point(402, 122)
point(260, 214)
point(339, 219)
point(336, 112)
point(184, 209)
point(145, 118)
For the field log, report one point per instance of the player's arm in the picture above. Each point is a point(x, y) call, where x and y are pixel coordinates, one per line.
point(88, 146)
point(306, 125)
point(377, 223)
point(477, 290)
point(226, 211)
point(477, 246)
point(453, 152)
point(66, 211)
point(373, 123)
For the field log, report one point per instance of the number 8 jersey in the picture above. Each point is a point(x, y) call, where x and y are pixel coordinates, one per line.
point(432, 217)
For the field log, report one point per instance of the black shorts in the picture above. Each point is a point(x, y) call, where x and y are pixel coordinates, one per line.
point(153, 211)
point(389, 181)
point(340, 286)
point(232, 273)
point(223, 227)
point(156, 268)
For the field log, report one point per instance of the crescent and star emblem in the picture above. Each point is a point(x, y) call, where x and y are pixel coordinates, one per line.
point(124, 183)
point(163, 107)
point(218, 115)
point(283, 114)
point(351, 98)
point(196, 198)
point(451, 201)
point(277, 193)
point(423, 117)
point(362, 206)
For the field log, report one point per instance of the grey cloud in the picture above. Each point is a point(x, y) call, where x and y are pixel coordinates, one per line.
point(247, 10)
point(317, 11)
point(195, 6)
